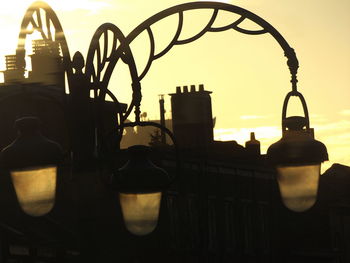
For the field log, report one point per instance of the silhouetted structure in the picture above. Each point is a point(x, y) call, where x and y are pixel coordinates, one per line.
point(162, 118)
point(192, 117)
point(47, 67)
point(13, 73)
point(224, 204)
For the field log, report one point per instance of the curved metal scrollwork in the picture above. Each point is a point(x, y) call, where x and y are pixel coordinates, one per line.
point(102, 59)
point(41, 18)
point(292, 61)
point(216, 7)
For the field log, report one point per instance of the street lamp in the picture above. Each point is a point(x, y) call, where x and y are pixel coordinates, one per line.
point(140, 184)
point(297, 157)
point(32, 161)
point(297, 153)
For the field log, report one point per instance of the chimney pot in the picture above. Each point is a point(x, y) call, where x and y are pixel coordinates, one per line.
point(201, 87)
point(178, 90)
point(193, 88)
point(185, 89)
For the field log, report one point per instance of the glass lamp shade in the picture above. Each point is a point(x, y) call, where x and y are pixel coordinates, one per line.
point(35, 189)
point(298, 186)
point(140, 211)
point(297, 157)
point(140, 183)
point(32, 161)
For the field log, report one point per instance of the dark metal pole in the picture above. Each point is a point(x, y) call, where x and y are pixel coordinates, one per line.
point(162, 117)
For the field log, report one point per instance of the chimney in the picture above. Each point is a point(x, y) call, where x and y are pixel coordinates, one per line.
point(192, 117)
point(201, 87)
point(252, 146)
point(13, 73)
point(47, 65)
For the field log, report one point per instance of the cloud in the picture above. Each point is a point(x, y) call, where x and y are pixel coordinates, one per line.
point(345, 112)
point(334, 127)
point(318, 118)
point(12, 6)
point(241, 135)
point(336, 137)
point(92, 6)
point(251, 117)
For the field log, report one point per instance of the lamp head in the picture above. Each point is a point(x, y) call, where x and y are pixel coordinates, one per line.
point(30, 148)
point(297, 145)
point(32, 162)
point(297, 157)
point(140, 175)
point(140, 184)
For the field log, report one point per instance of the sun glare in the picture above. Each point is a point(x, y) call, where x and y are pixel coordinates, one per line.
point(62, 5)
point(89, 5)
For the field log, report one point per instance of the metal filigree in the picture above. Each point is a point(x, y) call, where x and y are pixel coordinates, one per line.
point(101, 60)
point(216, 7)
point(41, 18)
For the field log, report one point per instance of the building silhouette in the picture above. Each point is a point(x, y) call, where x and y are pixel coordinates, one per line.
point(223, 206)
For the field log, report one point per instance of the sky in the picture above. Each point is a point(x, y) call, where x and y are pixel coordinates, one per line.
point(247, 74)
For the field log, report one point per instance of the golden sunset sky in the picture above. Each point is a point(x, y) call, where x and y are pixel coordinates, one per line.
point(247, 74)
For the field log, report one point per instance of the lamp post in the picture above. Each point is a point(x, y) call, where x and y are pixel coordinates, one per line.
point(300, 160)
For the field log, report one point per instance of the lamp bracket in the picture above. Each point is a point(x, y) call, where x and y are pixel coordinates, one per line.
point(161, 127)
point(295, 122)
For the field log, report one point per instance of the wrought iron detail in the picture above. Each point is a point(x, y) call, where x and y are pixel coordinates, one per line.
point(101, 60)
point(202, 32)
point(34, 21)
point(106, 58)
point(216, 7)
point(303, 103)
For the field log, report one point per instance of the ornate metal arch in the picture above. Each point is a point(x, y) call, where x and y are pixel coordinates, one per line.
point(33, 18)
point(106, 58)
point(145, 26)
point(106, 61)
point(216, 7)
